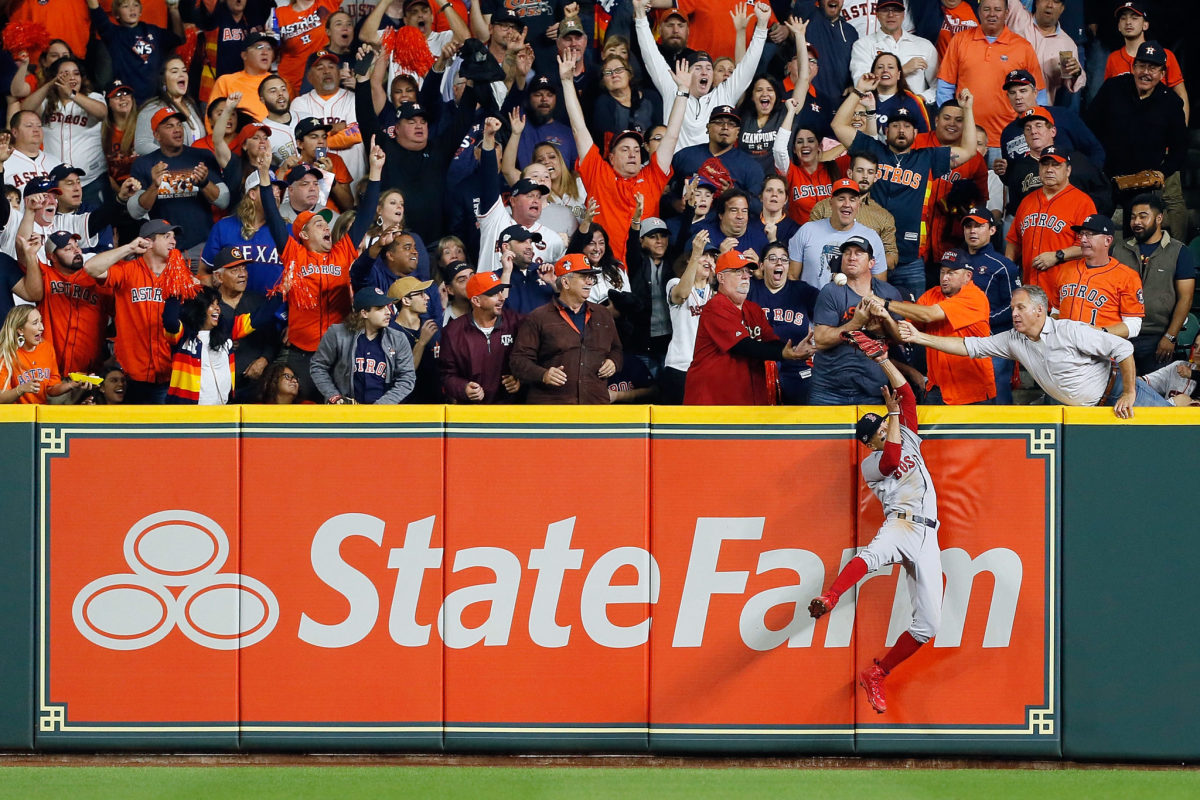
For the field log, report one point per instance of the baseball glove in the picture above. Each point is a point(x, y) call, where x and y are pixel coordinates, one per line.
point(1139, 181)
point(871, 348)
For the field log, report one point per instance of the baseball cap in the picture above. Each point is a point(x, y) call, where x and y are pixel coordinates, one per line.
point(310, 125)
point(322, 55)
point(411, 111)
point(1037, 112)
point(156, 227)
point(451, 270)
point(484, 283)
point(370, 297)
point(410, 3)
point(256, 38)
point(527, 185)
point(902, 114)
point(301, 170)
point(1019, 77)
point(403, 287)
point(63, 170)
point(698, 56)
point(955, 259)
point(503, 16)
point(845, 185)
point(541, 83)
point(866, 426)
point(41, 185)
point(306, 217)
point(253, 183)
point(812, 51)
point(1134, 6)
point(652, 225)
point(570, 27)
point(979, 214)
point(518, 233)
point(233, 256)
point(1096, 223)
point(724, 112)
point(574, 263)
point(60, 239)
point(673, 12)
point(161, 116)
point(860, 242)
point(116, 87)
point(1151, 53)
point(885, 3)
point(732, 259)
point(629, 133)
point(1055, 154)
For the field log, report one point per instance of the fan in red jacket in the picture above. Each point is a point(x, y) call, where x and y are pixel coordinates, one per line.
point(473, 358)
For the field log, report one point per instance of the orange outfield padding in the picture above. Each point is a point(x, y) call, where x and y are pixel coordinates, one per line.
point(583, 579)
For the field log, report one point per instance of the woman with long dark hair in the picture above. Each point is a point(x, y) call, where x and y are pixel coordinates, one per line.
point(279, 385)
point(173, 94)
point(893, 93)
point(72, 113)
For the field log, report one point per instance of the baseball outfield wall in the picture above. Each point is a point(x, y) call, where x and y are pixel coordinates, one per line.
point(587, 580)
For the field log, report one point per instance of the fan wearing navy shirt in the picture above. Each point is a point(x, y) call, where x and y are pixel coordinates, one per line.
point(904, 174)
point(788, 305)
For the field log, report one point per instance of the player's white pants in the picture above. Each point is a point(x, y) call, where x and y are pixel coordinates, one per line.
point(915, 548)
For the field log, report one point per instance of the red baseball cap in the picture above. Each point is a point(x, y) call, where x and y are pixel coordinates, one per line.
point(484, 283)
point(845, 185)
point(732, 259)
point(575, 263)
point(162, 115)
point(306, 217)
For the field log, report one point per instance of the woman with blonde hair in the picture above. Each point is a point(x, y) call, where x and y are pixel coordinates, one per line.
point(567, 201)
point(117, 132)
point(28, 367)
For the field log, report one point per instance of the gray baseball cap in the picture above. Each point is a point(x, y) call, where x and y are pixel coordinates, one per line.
point(652, 225)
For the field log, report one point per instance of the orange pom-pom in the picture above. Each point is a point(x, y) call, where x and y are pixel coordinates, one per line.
point(28, 38)
point(409, 50)
point(178, 280)
point(298, 292)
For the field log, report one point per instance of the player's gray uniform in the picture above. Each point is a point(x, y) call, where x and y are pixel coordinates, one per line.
point(911, 542)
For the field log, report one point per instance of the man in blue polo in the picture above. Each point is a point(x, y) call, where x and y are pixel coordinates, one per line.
point(998, 277)
point(904, 175)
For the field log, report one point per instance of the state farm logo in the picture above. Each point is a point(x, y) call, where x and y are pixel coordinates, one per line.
point(175, 557)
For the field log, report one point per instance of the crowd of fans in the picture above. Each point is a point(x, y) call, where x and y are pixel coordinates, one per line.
point(592, 201)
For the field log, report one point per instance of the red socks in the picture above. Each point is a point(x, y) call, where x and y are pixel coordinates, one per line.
point(904, 647)
point(849, 576)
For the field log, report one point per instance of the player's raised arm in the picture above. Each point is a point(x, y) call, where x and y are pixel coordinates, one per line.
point(666, 148)
point(964, 151)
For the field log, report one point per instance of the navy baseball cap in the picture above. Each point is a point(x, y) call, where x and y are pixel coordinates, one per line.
point(902, 114)
point(451, 270)
point(42, 184)
point(256, 38)
point(541, 83)
point(866, 426)
point(697, 57)
point(1019, 77)
point(301, 170)
point(322, 55)
point(518, 233)
point(860, 242)
point(1096, 223)
point(885, 3)
point(724, 112)
point(1151, 53)
point(527, 185)
point(1134, 6)
point(60, 239)
point(63, 170)
point(1055, 154)
point(955, 259)
point(370, 297)
point(233, 256)
point(412, 110)
point(629, 133)
point(980, 215)
point(503, 16)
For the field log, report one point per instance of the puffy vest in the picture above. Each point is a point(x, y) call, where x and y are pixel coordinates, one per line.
point(1158, 279)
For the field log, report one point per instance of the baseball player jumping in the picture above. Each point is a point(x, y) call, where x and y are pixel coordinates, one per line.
point(895, 471)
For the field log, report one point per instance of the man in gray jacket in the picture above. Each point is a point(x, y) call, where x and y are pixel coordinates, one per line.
point(363, 360)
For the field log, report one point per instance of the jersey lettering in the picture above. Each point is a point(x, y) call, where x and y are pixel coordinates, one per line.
point(370, 366)
point(145, 294)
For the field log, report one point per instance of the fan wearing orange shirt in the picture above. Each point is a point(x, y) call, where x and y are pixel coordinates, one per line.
point(1133, 20)
point(955, 307)
point(617, 181)
point(316, 271)
point(138, 286)
point(1098, 289)
point(301, 29)
point(957, 16)
point(28, 370)
point(1040, 237)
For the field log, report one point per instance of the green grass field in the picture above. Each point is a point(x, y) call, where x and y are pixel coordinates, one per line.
point(300, 783)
